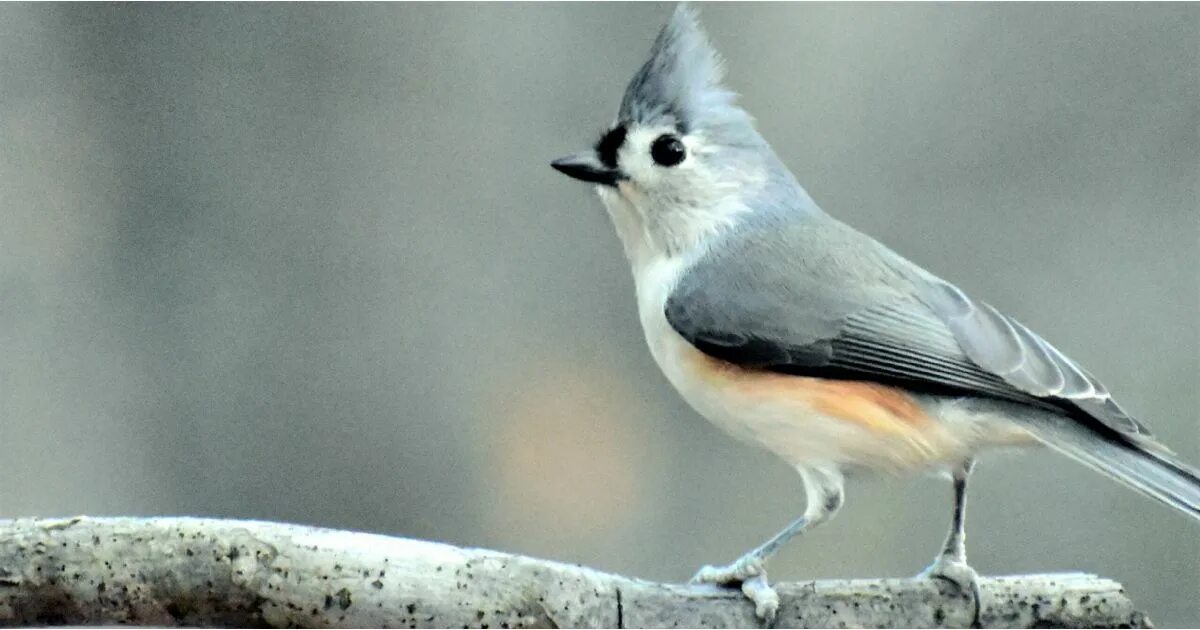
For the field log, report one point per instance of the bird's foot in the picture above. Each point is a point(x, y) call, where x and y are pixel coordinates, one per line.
point(744, 568)
point(955, 570)
point(749, 573)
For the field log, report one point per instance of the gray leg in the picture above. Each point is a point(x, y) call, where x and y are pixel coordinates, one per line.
point(823, 489)
point(951, 564)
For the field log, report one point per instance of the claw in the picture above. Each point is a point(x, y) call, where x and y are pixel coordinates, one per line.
point(766, 600)
point(962, 576)
point(747, 571)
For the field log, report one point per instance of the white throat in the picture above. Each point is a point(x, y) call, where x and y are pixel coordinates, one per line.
point(647, 235)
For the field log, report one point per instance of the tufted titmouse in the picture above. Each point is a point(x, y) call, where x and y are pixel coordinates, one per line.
point(792, 331)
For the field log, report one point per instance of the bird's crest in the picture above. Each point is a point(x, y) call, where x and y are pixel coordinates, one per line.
point(681, 81)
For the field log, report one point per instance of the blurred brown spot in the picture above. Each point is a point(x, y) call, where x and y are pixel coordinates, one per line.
point(568, 455)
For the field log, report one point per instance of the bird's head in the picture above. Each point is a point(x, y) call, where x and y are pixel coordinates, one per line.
point(682, 158)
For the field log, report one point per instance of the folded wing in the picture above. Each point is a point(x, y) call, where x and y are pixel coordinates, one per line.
point(913, 330)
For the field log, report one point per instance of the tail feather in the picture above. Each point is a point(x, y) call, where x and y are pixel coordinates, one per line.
point(1141, 464)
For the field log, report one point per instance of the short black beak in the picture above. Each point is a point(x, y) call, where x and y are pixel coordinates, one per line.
point(587, 168)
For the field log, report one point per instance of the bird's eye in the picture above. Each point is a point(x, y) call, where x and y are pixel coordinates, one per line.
point(667, 150)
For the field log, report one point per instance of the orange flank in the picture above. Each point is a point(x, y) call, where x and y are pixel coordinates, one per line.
point(871, 405)
point(876, 406)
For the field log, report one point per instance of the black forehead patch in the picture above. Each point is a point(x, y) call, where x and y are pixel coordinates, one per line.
point(606, 148)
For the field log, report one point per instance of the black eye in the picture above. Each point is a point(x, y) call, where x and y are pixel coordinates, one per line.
point(667, 150)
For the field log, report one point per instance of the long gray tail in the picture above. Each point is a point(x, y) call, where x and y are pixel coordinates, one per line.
point(1138, 462)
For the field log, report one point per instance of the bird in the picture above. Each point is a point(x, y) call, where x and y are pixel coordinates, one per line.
point(794, 332)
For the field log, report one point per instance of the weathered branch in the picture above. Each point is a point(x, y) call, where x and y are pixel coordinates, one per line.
point(184, 571)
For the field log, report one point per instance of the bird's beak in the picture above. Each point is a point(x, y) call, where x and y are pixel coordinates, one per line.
point(587, 168)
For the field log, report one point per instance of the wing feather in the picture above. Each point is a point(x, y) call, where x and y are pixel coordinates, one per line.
point(992, 340)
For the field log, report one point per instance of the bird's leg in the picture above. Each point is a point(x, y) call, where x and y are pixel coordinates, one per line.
point(951, 564)
point(823, 489)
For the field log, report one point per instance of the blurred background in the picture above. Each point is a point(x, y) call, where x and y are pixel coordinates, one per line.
point(309, 263)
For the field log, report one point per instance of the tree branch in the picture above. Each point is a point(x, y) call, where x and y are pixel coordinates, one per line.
point(201, 572)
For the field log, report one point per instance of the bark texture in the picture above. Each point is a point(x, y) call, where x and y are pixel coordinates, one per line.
point(203, 572)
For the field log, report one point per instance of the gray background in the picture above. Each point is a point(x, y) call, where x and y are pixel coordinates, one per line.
point(309, 263)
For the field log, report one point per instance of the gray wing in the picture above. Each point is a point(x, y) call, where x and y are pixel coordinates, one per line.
point(878, 317)
point(1003, 346)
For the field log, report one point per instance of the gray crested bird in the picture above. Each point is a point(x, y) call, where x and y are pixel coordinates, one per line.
point(794, 332)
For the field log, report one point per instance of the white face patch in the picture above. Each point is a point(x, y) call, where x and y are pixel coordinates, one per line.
point(636, 161)
point(676, 206)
